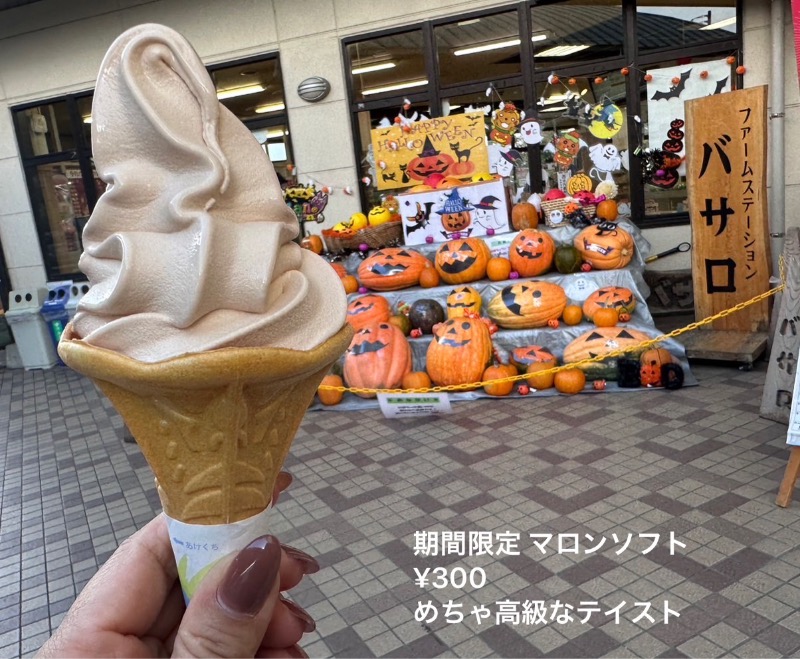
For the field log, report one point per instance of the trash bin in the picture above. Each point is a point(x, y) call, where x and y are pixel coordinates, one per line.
point(76, 293)
point(32, 339)
point(54, 310)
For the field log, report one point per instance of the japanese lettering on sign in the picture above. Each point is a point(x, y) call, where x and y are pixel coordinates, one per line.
point(726, 179)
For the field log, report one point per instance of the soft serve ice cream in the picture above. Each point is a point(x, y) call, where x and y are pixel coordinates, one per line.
point(190, 248)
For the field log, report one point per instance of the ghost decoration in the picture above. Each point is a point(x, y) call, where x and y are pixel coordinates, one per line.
point(606, 159)
point(531, 131)
point(580, 288)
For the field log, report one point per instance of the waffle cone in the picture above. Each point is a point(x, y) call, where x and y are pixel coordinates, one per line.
point(215, 427)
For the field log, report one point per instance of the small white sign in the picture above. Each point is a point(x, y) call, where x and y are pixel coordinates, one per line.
point(404, 405)
point(793, 434)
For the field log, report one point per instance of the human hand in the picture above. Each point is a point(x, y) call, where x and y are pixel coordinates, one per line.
point(133, 606)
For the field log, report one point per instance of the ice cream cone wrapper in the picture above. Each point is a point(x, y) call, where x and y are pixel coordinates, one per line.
point(215, 428)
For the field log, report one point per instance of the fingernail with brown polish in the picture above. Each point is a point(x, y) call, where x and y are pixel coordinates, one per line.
point(296, 652)
point(309, 563)
point(301, 614)
point(284, 480)
point(251, 577)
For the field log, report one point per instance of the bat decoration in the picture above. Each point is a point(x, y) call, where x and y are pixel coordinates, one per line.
point(420, 220)
point(676, 90)
point(720, 86)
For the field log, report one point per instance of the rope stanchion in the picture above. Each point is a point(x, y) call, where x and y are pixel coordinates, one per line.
point(640, 347)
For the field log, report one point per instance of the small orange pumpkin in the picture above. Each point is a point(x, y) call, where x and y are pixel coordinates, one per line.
point(531, 252)
point(330, 396)
point(498, 268)
point(572, 314)
point(462, 261)
point(497, 372)
point(378, 357)
point(313, 242)
point(570, 381)
point(539, 380)
point(416, 380)
point(429, 278)
point(651, 362)
point(367, 310)
point(606, 317)
point(350, 284)
point(524, 216)
point(607, 210)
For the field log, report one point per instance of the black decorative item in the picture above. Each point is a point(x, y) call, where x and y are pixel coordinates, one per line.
point(672, 376)
point(628, 373)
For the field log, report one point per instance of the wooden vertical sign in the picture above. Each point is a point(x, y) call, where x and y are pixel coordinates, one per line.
point(726, 158)
point(726, 161)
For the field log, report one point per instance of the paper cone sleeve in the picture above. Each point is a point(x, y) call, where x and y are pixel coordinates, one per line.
point(215, 427)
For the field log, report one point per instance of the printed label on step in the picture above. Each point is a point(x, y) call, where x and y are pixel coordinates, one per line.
point(402, 405)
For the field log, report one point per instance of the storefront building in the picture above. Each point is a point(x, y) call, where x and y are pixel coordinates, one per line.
point(442, 58)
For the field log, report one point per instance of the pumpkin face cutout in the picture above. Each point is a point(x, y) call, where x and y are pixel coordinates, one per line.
point(673, 146)
point(462, 261)
point(527, 304)
point(460, 351)
point(430, 161)
point(367, 310)
point(456, 221)
point(677, 123)
point(463, 299)
point(378, 357)
point(610, 297)
point(579, 183)
point(675, 134)
point(533, 354)
point(605, 249)
point(392, 268)
point(531, 252)
point(601, 341)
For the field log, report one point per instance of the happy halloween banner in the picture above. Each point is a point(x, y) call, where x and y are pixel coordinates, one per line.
point(450, 146)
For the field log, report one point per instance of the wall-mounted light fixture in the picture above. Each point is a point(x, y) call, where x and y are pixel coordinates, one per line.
point(313, 89)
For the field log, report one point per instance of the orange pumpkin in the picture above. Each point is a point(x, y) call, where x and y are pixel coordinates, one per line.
point(570, 381)
point(537, 379)
point(430, 161)
point(607, 210)
point(460, 351)
point(524, 216)
point(392, 268)
point(610, 297)
point(330, 396)
point(603, 249)
point(462, 299)
point(498, 268)
point(572, 314)
point(523, 357)
point(602, 340)
point(313, 242)
point(462, 168)
point(606, 317)
point(651, 362)
point(416, 380)
point(350, 284)
point(497, 372)
point(429, 278)
point(531, 252)
point(378, 358)
point(462, 261)
point(367, 310)
point(527, 304)
point(339, 268)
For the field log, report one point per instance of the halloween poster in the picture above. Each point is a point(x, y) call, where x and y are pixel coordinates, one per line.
point(667, 91)
point(474, 209)
point(451, 146)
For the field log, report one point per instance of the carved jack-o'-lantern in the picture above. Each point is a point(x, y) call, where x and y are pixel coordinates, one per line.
point(462, 261)
point(430, 161)
point(463, 299)
point(526, 355)
point(378, 357)
point(456, 221)
point(601, 341)
point(460, 351)
point(527, 304)
point(609, 297)
point(651, 362)
point(392, 268)
point(531, 252)
point(368, 309)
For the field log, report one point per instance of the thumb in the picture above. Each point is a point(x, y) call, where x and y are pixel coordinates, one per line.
point(229, 614)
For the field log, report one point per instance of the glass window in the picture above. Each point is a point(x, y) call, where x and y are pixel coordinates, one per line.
point(45, 129)
point(576, 31)
point(390, 64)
point(62, 209)
point(483, 48)
point(275, 142)
point(662, 26)
point(251, 90)
point(584, 124)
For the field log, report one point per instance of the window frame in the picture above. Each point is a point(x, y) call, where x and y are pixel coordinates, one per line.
point(530, 76)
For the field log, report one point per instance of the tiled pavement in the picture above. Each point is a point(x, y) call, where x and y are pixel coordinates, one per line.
point(698, 462)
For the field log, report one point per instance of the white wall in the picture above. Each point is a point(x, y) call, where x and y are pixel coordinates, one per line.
point(53, 47)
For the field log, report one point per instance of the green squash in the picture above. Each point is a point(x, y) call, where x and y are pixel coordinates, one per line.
point(567, 259)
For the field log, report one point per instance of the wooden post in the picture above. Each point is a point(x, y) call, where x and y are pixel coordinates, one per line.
point(789, 478)
point(776, 401)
